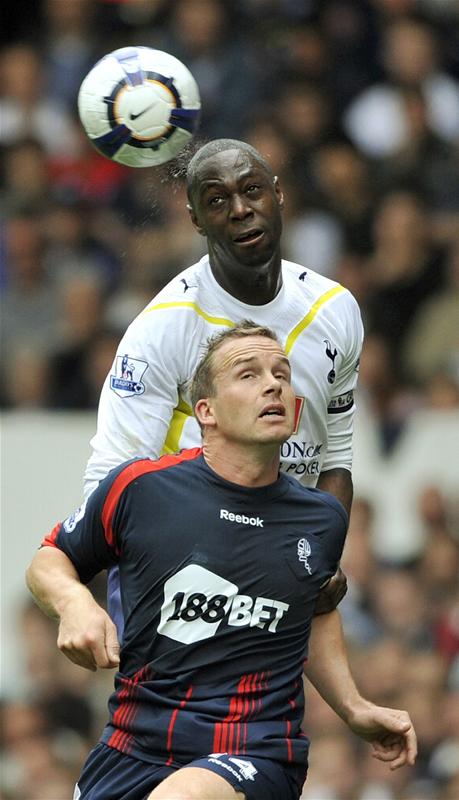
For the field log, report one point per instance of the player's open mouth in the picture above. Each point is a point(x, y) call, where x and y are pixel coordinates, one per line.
point(273, 411)
point(249, 237)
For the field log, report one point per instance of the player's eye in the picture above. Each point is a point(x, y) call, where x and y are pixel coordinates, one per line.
point(215, 200)
point(252, 187)
point(282, 373)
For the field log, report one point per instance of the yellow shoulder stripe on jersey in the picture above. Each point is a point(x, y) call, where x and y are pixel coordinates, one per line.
point(196, 308)
point(324, 298)
point(180, 414)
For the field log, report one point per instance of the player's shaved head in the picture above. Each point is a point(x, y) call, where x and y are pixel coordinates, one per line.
point(220, 146)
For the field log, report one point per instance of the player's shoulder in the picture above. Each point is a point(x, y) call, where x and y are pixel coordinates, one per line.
point(184, 287)
point(137, 467)
point(162, 319)
point(312, 496)
point(130, 471)
point(315, 286)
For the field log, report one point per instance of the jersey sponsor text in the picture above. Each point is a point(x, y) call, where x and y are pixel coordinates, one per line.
point(197, 600)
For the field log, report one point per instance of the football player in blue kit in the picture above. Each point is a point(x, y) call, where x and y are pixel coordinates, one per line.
point(221, 560)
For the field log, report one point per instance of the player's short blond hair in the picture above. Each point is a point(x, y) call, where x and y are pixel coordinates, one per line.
point(202, 384)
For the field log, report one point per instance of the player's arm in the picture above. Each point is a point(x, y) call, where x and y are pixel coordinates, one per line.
point(390, 731)
point(339, 483)
point(336, 476)
point(69, 557)
point(87, 636)
point(134, 415)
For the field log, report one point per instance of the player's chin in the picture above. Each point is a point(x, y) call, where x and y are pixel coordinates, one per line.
point(255, 255)
point(276, 432)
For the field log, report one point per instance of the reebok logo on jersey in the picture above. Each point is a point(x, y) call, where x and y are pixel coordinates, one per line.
point(255, 522)
point(246, 770)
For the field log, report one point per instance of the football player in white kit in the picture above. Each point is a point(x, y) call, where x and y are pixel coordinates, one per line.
point(236, 202)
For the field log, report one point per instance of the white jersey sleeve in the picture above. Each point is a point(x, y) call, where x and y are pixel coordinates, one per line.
point(140, 394)
point(341, 406)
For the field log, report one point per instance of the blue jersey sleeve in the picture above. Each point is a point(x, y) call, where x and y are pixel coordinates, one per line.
point(88, 536)
point(335, 533)
point(328, 522)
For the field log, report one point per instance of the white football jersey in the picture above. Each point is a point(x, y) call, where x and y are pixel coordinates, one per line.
point(145, 403)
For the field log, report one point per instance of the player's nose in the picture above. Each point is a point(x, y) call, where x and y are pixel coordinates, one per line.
point(239, 208)
point(273, 385)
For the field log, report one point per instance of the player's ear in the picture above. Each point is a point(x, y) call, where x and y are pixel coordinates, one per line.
point(279, 193)
point(194, 219)
point(204, 412)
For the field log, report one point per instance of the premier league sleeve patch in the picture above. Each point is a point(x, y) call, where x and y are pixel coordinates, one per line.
point(127, 380)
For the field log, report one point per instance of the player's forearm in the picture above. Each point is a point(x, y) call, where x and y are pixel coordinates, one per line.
point(328, 666)
point(53, 581)
point(339, 483)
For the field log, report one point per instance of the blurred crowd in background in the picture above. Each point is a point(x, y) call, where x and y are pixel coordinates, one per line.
point(356, 106)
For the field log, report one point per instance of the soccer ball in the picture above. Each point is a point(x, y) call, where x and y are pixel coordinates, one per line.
point(139, 106)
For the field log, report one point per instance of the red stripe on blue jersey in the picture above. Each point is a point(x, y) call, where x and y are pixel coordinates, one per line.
point(127, 709)
point(288, 732)
point(173, 720)
point(229, 732)
point(132, 471)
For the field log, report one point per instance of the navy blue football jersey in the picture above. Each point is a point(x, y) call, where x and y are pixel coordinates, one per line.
point(218, 587)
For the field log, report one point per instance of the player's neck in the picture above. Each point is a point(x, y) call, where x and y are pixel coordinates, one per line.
point(255, 285)
point(245, 466)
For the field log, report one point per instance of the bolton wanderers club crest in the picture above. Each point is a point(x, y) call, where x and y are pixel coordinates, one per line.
point(127, 380)
point(304, 551)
